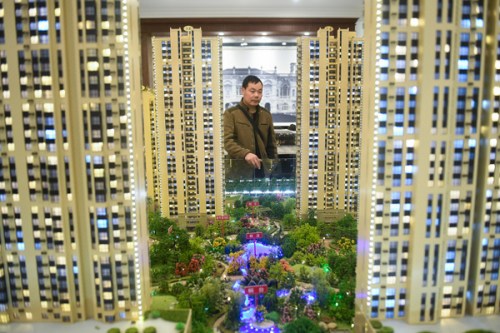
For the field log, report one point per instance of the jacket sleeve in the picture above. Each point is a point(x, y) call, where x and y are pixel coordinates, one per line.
point(231, 144)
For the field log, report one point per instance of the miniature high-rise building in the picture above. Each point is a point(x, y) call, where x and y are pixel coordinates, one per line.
point(72, 194)
point(329, 80)
point(429, 219)
point(189, 163)
point(151, 147)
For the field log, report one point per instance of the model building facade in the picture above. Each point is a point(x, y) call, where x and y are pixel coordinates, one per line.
point(329, 79)
point(189, 160)
point(72, 194)
point(429, 232)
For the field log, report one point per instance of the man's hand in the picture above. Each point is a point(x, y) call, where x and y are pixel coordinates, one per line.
point(253, 160)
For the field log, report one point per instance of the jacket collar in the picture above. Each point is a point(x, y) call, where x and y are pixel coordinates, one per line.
point(245, 108)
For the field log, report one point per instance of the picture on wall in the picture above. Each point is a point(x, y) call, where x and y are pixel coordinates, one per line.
point(275, 64)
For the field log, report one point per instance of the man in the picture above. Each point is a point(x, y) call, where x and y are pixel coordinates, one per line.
point(249, 131)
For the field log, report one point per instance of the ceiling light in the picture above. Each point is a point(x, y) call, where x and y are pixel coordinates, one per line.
point(244, 44)
point(221, 34)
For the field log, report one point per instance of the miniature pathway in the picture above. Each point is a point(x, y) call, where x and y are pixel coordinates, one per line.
point(219, 322)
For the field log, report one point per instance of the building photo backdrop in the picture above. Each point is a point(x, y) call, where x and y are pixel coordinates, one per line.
point(275, 65)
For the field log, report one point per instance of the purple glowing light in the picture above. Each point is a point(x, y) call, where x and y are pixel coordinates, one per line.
point(362, 295)
point(310, 297)
point(363, 245)
point(261, 250)
point(251, 328)
point(283, 293)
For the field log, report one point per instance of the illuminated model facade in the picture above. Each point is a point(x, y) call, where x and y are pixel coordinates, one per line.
point(73, 231)
point(189, 168)
point(429, 221)
point(151, 146)
point(328, 121)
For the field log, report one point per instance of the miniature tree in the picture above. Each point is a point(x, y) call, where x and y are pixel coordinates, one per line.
point(219, 242)
point(194, 265)
point(260, 313)
point(345, 227)
point(165, 234)
point(322, 287)
point(270, 300)
point(305, 235)
point(212, 295)
point(263, 263)
point(283, 274)
point(304, 274)
point(252, 262)
point(233, 319)
point(301, 325)
point(309, 312)
point(296, 299)
point(273, 316)
point(181, 269)
point(286, 315)
point(345, 245)
point(236, 261)
point(286, 266)
point(288, 246)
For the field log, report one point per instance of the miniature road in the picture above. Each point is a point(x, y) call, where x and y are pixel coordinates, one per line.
point(218, 322)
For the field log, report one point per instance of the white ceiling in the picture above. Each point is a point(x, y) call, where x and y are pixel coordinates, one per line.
point(250, 8)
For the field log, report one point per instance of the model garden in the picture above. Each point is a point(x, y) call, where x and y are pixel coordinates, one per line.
point(256, 269)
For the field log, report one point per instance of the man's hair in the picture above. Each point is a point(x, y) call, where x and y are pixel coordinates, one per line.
point(250, 79)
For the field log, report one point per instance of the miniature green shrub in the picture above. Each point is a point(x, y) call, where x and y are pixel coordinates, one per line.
point(132, 330)
point(376, 324)
point(180, 326)
point(150, 329)
point(274, 316)
point(386, 329)
point(155, 314)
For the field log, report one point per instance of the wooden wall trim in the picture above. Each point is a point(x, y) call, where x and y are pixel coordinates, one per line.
point(246, 26)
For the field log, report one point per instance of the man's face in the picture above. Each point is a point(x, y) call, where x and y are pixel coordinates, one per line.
point(252, 94)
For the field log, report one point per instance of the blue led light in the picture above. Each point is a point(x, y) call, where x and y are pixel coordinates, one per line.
point(43, 25)
point(102, 224)
point(50, 134)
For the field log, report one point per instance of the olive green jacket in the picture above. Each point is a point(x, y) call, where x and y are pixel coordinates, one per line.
point(239, 139)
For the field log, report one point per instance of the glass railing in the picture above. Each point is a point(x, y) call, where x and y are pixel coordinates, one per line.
point(275, 176)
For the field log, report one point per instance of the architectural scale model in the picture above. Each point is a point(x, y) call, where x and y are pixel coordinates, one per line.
point(429, 214)
point(73, 229)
